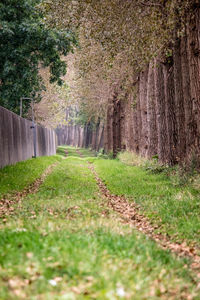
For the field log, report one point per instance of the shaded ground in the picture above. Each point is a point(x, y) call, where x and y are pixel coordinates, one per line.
point(64, 242)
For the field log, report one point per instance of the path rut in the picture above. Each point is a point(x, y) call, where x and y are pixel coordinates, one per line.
point(130, 214)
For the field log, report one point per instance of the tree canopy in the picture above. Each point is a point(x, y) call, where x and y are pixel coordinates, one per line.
point(27, 44)
point(117, 40)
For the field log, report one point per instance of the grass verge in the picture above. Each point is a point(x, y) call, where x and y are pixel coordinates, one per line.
point(16, 177)
point(64, 243)
point(175, 209)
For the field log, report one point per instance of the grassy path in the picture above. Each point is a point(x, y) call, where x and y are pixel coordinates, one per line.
point(64, 242)
point(173, 208)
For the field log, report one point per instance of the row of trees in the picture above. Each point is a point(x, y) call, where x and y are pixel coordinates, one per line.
point(164, 119)
point(78, 134)
point(138, 69)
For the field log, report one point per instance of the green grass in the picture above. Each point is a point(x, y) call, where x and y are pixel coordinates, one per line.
point(132, 159)
point(17, 177)
point(65, 243)
point(174, 208)
point(71, 151)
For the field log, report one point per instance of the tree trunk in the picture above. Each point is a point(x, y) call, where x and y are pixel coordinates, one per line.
point(194, 73)
point(189, 119)
point(143, 110)
point(123, 104)
point(108, 131)
point(139, 122)
point(170, 115)
point(151, 114)
point(136, 146)
point(178, 93)
point(116, 126)
point(160, 111)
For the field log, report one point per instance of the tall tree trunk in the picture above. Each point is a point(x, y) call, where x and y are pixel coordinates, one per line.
point(160, 111)
point(170, 115)
point(116, 125)
point(129, 123)
point(151, 114)
point(194, 73)
point(178, 93)
point(136, 145)
point(108, 131)
point(143, 109)
point(139, 123)
point(189, 118)
point(100, 136)
point(123, 104)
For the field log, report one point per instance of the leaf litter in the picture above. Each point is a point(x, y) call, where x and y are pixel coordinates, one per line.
point(130, 214)
point(8, 202)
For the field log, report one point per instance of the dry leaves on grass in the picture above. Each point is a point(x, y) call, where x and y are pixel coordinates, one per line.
point(73, 211)
point(83, 288)
point(79, 153)
point(8, 202)
point(130, 214)
point(17, 285)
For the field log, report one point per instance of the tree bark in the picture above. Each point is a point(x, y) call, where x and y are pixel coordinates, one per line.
point(143, 109)
point(170, 115)
point(189, 119)
point(116, 126)
point(151, 114)
point(194, 73)
point(136, 145)
point(178, 93)
point(160, 111)
point(108, 131)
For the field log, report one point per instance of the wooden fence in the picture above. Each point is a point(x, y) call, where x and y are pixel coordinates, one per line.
point(16, 139)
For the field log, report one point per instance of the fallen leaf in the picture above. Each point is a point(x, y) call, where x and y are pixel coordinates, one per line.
point(76, 290)
point(29, 254)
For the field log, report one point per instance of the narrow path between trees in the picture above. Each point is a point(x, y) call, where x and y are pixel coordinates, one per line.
point(73, 239)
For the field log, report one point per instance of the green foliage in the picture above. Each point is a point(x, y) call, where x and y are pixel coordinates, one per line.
point(132, 159)
point(27, 44)
point(180, 175)
point(102, 154)
point(185, 174)
point(154, 166)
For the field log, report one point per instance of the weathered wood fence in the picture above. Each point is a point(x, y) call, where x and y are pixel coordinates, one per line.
point(16, 139)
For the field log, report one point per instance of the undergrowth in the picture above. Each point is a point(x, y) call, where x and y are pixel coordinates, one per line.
point(180, 175)
point(173, 206)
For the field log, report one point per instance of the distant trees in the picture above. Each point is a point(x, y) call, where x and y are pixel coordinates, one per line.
point(26, 45)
